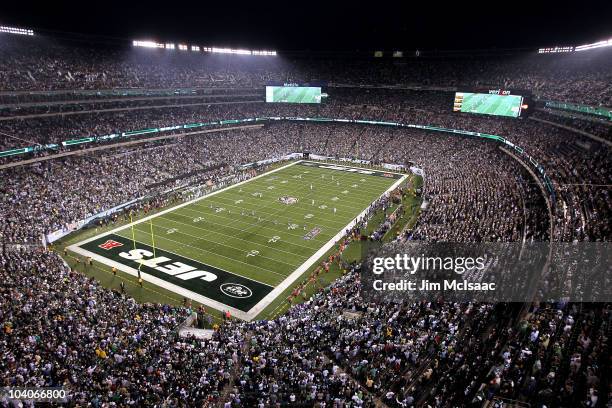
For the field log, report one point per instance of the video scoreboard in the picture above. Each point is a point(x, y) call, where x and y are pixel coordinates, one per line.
point(294, 93)
point(497, 102)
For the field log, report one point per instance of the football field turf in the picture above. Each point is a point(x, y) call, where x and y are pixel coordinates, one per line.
point(240, 247)
point(501, 105)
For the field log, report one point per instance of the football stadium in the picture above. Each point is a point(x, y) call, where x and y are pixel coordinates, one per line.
point(214, 206)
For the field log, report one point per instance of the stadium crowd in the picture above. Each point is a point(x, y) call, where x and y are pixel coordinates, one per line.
point(581, 182)
point(349, 371)
point(56, 65)
point(61, 328)
point(566, 156)
point(453, 183)
point(338, 349)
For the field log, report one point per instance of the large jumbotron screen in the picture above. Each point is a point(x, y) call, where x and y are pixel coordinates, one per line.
point(293, 94)
point(488, 104)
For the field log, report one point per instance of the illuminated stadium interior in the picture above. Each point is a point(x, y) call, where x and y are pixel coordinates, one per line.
point(188, 220)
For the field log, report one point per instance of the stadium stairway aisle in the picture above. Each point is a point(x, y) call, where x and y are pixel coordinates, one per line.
point(236, 370)
point(377, 401)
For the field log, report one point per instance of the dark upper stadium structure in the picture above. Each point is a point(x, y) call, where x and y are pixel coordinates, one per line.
point(96, 133)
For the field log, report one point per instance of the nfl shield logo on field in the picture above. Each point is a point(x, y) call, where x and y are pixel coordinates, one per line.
point(110, 244)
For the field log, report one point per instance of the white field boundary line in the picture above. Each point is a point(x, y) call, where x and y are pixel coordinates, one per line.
point(275, 250)
point(286, 217)
point(351, 166)
point(238, 250)
point(262, 304)
point(334, 191)
point(224, 218)
point(185, 204)
point(160, 282)
point(248, 225)
point(212, 252)
point(163, 283)
point(280, 288)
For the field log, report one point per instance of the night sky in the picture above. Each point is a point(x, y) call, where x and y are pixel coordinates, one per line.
point(329, 25)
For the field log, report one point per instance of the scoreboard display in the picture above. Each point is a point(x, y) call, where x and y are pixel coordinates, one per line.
point(497, 102)
point(293, 93)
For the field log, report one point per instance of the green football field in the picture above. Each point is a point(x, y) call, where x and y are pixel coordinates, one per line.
point(291, 94)
point(238, 248)
point(501, 105)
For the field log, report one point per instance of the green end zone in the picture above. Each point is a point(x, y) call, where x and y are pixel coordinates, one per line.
point(240, 247)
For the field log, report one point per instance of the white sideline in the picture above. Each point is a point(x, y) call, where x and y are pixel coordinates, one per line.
point(270, 297)
point(266, 300)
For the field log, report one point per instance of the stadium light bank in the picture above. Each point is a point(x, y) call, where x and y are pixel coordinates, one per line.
point(599, 44)
point(16, 30)
point(197, 48)
point(584, 47)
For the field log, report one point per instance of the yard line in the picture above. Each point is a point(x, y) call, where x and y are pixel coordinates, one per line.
point(277, 213)
point(340, 175)
point(374, 177)
point(339, 204)
point(308, 195)
point(259, 208)
point(302, 164)
point(326, 219)
point(360, 186)
point(240, 239)
point(276, 230)
point(304, 202)
point(300, 208)
point(217, 243)
point(353, 180)
point(217, 254)
point(330, 186)
point(209, 214)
